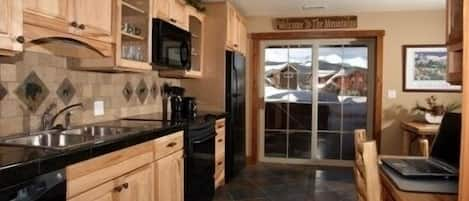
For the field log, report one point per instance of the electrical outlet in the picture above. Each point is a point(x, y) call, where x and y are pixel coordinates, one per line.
point(98, 108)
point(392, 94)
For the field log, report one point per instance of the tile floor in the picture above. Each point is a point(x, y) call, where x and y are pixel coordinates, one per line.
point(268, 182)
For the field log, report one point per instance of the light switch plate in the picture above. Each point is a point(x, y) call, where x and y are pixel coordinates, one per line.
point(392, 94)
point(98, 108)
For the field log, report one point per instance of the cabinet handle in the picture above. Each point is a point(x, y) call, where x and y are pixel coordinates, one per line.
point(219, 163)
point(220, 140)
point(74, 24)
point(173, 20)
point(172, 144)
point(20, 39)
point(118, 189)
point(125, 185)
point(235, 45)
point(82, 27)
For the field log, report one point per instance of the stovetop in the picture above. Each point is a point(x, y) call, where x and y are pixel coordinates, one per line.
point(176, 118)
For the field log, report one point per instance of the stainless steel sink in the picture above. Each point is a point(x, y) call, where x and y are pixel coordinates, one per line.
point(67, 138)
point(47, 140)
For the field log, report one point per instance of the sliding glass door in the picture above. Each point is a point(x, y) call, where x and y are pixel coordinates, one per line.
point(316, 93)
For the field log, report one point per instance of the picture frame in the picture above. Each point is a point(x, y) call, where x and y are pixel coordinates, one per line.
point(424, 69)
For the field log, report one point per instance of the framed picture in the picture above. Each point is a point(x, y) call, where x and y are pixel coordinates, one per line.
point(425, 69)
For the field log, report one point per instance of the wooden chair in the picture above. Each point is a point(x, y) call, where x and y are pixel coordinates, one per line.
point(366, 168)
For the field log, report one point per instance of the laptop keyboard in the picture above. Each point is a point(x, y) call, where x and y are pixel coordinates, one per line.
point(423, 166)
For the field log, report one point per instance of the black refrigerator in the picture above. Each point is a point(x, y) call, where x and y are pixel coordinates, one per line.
point(235, 107)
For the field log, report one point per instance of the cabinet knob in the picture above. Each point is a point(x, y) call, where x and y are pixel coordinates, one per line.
point(173, 20)
point(118, 189)
point(235, 45)
point(219, 163)
point(172, 144)
point(220, 140)
point(82, 26)
point(125, 185)
point(20, 39)
point(74, 24)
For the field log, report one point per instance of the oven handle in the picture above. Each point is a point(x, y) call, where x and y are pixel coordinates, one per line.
point(203, 139)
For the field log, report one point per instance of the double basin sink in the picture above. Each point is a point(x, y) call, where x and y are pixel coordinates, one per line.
point(65, 139)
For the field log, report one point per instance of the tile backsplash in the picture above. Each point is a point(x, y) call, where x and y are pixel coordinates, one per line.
point(30, 82)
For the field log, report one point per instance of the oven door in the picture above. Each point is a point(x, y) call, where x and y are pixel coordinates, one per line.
point(200, 168)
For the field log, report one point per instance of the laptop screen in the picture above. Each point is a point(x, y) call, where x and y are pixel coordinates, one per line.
point(447, 144)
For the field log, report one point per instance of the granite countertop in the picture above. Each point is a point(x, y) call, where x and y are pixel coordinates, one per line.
point(19, 163)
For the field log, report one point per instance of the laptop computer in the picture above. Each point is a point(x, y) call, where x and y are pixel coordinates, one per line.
point(444, 157)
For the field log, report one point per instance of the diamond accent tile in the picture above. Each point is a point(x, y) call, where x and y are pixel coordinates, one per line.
point(32, 92)
point(66, 91)
point(142, 91)
point(3, 92)
point(127, 91)
point(154, 90)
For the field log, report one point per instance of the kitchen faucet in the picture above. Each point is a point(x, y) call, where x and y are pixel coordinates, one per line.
point(48, 121)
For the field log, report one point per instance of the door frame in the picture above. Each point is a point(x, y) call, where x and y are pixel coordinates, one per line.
point(255, 69)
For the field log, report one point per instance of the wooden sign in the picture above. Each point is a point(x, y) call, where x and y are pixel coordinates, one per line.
point(325, 22)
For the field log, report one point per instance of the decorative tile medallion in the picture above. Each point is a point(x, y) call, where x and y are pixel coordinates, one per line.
point(154, 90)
point(32, 92)
point(66, 91)
point(142, 91)
point(3, 92)
point(128, 91)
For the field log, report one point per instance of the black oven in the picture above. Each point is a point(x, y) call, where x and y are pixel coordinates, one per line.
point(171, 46)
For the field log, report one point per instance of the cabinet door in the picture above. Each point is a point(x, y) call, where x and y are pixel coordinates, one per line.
point(137, 185)
point(178, 14)
point(11, 25)
point(169, 178)
point(230, 26)
point(104, 192)
point(161, 9)
point(243, 38)
point(93, 18)
point(53, 13)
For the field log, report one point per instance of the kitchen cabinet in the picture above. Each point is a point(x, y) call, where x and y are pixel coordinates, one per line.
point(196, 28)
point(172, 11)
point(135, 186)
point(169, 178)
point(236, 34)
point(454, 40)
point(11, 27)
point(149, 171)
point(220, 153)
point(86, 21)
point(92, 18)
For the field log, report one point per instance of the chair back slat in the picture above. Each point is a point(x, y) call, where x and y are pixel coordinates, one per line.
point(366, 168)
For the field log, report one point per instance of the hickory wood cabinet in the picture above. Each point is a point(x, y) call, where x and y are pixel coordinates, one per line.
point(172, 11)
point(236, 35)
point(220, 153)
point(11, 27)
point(87, 21)
point(146, 172)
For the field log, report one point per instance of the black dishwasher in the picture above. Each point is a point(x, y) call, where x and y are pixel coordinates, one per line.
point(200, 161)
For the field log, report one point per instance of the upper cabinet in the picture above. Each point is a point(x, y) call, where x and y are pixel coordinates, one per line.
point(87, 21)
point(11, 27)
point(454, 40)
point(92, 18)
point(236, 31)
point(172, 11)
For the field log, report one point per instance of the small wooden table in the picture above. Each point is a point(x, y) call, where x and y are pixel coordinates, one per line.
point(390, 192)
point(413, 130)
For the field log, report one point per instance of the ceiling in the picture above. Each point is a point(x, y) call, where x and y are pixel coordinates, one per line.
point(295, 7)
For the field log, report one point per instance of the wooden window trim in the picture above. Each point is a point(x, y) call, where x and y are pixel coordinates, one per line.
point(255, 41)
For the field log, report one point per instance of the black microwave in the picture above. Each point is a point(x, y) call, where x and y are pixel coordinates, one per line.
point(171, 46)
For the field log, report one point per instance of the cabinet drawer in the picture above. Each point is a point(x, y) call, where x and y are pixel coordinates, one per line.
point(91, 173)
point(220, 124)
point(169, 144)
point(219, 170)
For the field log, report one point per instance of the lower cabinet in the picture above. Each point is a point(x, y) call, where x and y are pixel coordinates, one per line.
point(152, 171)
point(169, 178)
point(135, 186)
